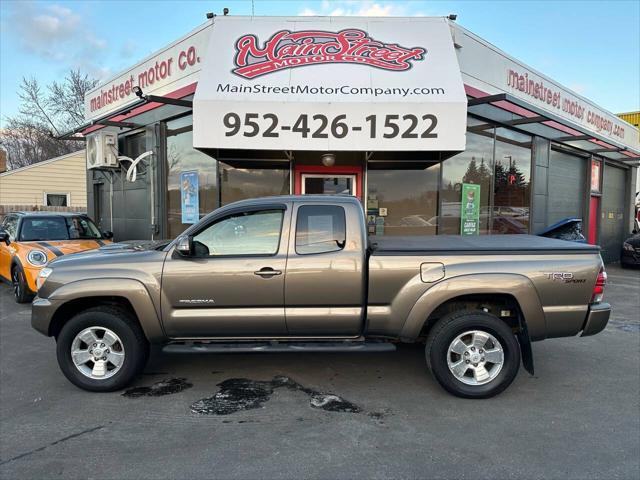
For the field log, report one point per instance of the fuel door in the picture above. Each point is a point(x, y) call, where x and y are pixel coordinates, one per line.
point(431, 272)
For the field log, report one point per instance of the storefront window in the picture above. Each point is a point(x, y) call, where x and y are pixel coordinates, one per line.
point(241, 183)
point(191, 176)
point(512, 176)
point(403, 202)
point(474, 165)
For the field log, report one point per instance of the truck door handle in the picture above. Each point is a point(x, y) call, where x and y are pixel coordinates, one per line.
point(267, 272)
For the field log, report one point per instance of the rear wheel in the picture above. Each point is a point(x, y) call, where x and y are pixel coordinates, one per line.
point(102, 349)
point(473, 354)
point(21, 291)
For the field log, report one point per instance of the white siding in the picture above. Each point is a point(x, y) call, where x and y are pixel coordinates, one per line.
point(65, 174)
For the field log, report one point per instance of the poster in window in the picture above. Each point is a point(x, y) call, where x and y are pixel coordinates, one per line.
point(470, 209)
point(189, 197)
point(595, 176)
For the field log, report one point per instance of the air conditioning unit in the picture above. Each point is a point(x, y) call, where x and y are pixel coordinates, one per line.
point(102, 150)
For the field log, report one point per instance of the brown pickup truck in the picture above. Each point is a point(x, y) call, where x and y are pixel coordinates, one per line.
point(291, 274)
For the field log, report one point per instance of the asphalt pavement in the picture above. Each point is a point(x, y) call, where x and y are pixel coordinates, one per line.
point(578, 417)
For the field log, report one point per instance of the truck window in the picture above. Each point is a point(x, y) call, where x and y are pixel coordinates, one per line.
point(247, 233)
point(320, 229)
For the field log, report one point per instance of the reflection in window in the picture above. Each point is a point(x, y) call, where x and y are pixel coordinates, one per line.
point(242, 183)
point(182, 157)
point(249, 233)
point(320, 229)
point(403, 202)
point(512, 174)
point(474, 165)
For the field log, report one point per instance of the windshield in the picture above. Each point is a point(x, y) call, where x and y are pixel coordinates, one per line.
point(58, 228)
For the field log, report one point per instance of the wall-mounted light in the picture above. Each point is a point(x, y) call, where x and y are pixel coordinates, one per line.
point(328, 159)
point(138, 91)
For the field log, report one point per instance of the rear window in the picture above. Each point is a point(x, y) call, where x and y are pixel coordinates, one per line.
point(58, 228)
point(320, 229)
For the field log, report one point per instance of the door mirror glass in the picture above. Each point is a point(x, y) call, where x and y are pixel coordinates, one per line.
point(4, 237)
point(183, 246)
point(107, 234)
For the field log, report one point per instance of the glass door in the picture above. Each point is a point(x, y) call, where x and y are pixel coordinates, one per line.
point(328, 184)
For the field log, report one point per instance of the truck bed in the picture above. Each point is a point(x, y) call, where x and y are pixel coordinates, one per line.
point(482, 244)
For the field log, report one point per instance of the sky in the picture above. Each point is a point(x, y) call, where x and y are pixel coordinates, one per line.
point(591, 47)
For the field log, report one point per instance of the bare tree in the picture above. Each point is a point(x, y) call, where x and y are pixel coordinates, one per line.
point(45, 112)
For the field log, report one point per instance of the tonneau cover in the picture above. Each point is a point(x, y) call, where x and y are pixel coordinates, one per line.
point(496, 244)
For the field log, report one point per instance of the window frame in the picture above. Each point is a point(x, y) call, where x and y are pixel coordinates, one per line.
point(238, 212)
point(295, 231)
point(46, 203)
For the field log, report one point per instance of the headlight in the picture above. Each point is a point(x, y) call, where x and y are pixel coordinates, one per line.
point(627, 246)
point(37, 258)
point(42, 276)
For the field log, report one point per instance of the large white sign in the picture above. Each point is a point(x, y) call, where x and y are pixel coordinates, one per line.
point(166, 71)
point(320, 83)
point(493, 71)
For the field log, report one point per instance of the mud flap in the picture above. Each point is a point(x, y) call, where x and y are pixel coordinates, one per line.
point(525, 347)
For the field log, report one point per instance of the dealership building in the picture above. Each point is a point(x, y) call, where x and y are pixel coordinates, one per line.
point(417, 117)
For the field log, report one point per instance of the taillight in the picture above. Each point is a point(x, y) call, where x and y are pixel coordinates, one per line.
point(598, 289)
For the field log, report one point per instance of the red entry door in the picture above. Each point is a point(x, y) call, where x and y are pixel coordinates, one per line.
point(594, 208)
point(318, 179)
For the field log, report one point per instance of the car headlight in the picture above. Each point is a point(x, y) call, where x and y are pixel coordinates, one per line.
point(37, 258)
point(42, 276)
point(627, 246)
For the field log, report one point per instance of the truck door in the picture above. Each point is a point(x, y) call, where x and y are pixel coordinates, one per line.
point(233, 285)
point(324, 285)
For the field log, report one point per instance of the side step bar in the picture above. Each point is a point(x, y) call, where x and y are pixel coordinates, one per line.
point(277, 347)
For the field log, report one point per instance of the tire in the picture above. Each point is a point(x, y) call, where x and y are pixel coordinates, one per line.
point(474, 382)
point(131, 350)
point(21, 291)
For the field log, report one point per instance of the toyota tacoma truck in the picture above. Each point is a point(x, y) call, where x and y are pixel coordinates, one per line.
point(298, 273)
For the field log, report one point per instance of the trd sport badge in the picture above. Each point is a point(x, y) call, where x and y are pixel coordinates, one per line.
point(286, 49)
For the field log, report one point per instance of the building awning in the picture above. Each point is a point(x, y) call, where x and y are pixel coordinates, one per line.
point(330, 83)
point(508, 110)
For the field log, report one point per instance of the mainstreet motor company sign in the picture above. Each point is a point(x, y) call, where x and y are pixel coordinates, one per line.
point(330, 84)
point(172, 68)
point(286, 49)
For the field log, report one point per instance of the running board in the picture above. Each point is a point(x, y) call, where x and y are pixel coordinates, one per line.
point(277, 347)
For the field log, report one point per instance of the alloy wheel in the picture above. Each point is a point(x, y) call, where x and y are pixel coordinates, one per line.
point(97, 352)
point(475, 357)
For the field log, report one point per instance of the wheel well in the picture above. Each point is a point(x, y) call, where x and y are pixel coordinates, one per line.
point(496, 304)
point(73, 307)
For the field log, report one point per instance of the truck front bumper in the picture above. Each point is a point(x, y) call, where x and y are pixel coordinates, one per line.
point(41, 312)
point(597, 319)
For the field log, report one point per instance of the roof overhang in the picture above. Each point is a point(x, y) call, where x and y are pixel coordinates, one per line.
point(507, 110)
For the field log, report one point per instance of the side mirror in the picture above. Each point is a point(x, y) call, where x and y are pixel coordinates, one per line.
point(107, 234)
point(4, 237)
point(184, 246)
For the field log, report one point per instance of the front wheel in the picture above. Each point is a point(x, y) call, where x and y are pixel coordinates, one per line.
point(473, 354)
point(21, 291)
point(102, 349)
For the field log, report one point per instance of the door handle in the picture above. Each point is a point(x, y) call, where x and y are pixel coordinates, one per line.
point(267, 272)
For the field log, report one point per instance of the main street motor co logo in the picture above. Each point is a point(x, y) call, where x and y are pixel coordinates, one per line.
point(286, 49)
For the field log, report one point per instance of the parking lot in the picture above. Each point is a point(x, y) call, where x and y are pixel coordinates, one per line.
point(578, 417)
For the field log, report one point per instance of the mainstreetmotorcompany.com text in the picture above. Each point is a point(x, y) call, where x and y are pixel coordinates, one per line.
point(322, 90)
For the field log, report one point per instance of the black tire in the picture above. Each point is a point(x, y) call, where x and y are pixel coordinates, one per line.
point(444, 332)
point(122, 323)
point(21, 291)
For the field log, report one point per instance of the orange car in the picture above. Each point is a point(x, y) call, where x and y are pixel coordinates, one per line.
point(29, 240)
